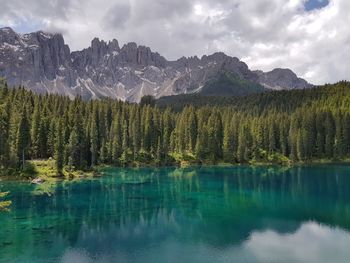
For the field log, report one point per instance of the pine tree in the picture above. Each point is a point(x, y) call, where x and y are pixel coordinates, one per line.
point(4, 135)
point(272, 138)
point(23, 138)
point(215, 136)
point(339, 140)
point(136, 135)
point(192, 130)
point(160, 155)
point(59, 148)
point(320, 135)
point(148, 130)
point(329, 138)
point(94, 139)
point(73, 151)
point(301, 125)
point(293, 139)
point(300, 142)
point(346, 134)
point(125, 142)
point(104, 152)
point(244, 150)
point(228, 142)
point(116, 139)
point(42, 138)
point(201, 143)
point(283, 137)
point(167, 131)
point(35, 130)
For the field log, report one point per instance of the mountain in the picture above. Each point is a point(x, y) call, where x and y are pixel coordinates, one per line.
point(43, 63)
point(228, 84)
point(260, 102)
point(279, 78)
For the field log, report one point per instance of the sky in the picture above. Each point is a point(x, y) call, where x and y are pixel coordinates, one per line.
point(311, 37)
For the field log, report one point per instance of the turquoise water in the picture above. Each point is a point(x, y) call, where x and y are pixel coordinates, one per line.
point(211, 214)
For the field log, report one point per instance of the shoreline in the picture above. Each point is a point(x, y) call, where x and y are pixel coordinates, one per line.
point(96, 172)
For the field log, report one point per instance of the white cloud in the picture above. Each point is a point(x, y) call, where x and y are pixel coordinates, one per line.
point(264, 33)
point(312, 243)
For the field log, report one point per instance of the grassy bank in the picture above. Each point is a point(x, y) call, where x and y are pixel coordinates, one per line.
point(46, 169)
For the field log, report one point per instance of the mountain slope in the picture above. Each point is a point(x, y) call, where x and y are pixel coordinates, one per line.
point(228, 84)
point(278, 101)
point(279, 78)
point(43, 63)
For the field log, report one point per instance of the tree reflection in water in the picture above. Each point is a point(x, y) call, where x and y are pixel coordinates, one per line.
point(221, 212)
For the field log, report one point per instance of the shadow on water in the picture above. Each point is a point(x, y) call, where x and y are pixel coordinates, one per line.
point(131, 210)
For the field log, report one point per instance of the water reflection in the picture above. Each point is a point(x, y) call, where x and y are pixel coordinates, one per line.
point(312, 243)
point(240, 214)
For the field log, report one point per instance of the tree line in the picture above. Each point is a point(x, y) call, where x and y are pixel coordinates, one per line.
point(80, 134)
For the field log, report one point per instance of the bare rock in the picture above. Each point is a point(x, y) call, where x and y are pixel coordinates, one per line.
point(38, 181)
point(42, 62)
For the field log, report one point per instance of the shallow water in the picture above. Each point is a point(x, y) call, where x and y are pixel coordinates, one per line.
point(211, 214)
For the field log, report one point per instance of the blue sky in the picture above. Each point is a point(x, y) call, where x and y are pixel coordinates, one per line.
point(315, 4)
point(27, 26)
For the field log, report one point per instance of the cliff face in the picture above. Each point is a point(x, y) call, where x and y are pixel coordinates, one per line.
point(281, 79)
point(43, 63)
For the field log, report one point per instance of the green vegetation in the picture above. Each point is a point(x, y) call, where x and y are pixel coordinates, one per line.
point(259, 104)
point(275, 127)
point(47, 169)
point(4, 205)
point(228, 84)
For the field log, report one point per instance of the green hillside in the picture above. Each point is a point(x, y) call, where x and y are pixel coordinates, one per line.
point(228, 84)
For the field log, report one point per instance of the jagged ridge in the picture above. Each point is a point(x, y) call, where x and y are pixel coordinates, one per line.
point(44, 63)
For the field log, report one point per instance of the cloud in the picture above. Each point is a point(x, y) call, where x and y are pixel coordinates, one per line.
point(311, 243)
point(315, 43)
point(117, 15)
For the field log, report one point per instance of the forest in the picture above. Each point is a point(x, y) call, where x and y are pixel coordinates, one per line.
point(274, 127)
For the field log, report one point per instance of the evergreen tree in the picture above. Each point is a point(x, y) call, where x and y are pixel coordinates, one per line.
point(94, 139)
point(23, 138)
point(104, 158)
point(59, 148)
point(35, 131)
point(300, 125)
point(329, 138)
point(228, 142)
point(73, 151)
point(192, 130)
point(42, 139)
point(4, 134)
point(136, 134)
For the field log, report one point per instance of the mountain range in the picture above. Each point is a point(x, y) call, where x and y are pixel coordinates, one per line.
point(42, 62)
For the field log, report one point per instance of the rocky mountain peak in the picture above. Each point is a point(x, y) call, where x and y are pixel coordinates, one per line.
point(113, 46)
point(7, 35)
point(281, 78)
point(217, 56)
point(43, 62)
point(282, 72)
point(98, 50)
point(7, 30)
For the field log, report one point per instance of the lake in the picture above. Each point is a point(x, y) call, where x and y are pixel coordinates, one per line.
point(208, 214)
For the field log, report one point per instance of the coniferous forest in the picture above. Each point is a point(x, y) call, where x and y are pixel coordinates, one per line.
point(281, 126)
